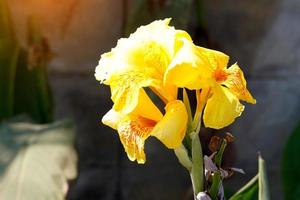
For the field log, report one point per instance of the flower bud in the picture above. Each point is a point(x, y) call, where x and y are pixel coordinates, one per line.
point(202, 196)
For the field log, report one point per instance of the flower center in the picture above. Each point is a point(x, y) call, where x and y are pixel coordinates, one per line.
point(220, 75)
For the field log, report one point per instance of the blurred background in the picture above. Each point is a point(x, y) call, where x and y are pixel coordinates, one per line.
point(262, 36)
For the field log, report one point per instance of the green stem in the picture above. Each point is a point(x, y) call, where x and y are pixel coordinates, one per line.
point(190, 154)
point(214, 189)
point(219, 155)
point(183, 157)
point(197, 172)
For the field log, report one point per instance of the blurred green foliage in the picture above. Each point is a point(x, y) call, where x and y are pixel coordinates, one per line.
point(9, 52)
point(290, 166)
point(24, 87)
point(36, 160)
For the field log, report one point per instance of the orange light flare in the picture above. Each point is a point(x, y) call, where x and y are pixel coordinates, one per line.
point(53, 15)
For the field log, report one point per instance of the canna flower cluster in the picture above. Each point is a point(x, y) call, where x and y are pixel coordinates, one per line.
point(163, 59)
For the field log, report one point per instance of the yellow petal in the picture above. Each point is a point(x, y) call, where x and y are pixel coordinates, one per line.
point(125, 81)
point(146, 107)
point(139, 61)
point(188, 67)
point(112, 118)
point(216, 59)
point(125, 89)
point(171, 129)
point(158, 32)
point(180, 36)
point(102, 72)
point(237, 84)
point(167, 92)
point(201, 97)
point(151, 46)
point(153, 52)
point(222, 108)
point(133, 132)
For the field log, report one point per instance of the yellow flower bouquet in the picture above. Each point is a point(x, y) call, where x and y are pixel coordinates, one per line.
point(159, 59)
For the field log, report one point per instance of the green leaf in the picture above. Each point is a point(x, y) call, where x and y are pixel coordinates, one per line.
point(24, 87)
point(9, 50)
point(248, 192)
point(290, 166)
point(31, 84)
point(263, 192)
point(36, 160)
point(256, 188)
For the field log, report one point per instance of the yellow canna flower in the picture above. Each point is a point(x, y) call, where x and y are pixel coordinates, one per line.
point(165, 59)
point(226, 85)
point(145, 121)
point(137, 62)
point(142, 61)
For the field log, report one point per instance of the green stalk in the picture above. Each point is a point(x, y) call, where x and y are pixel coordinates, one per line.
point(190, 153)
point(197, 171)
point(219, 155)
point(183, 157)
point(195, 164)
point(216, 182)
